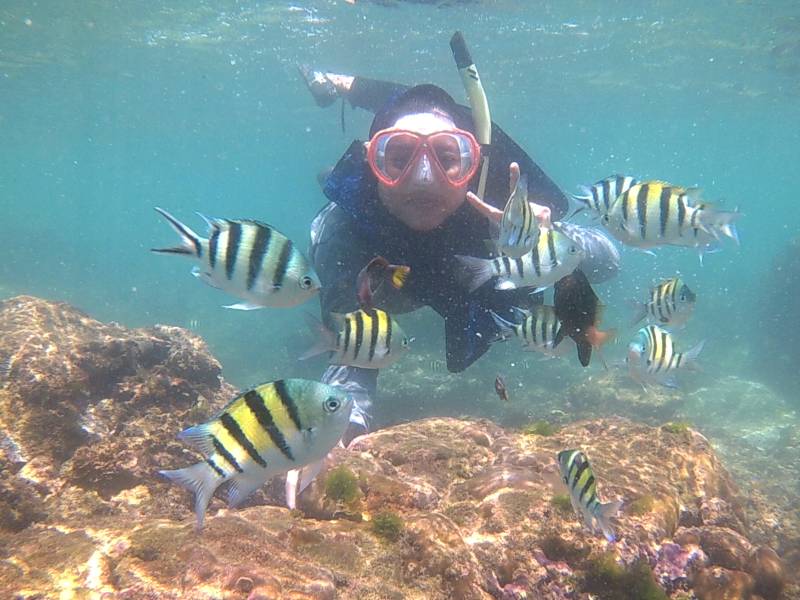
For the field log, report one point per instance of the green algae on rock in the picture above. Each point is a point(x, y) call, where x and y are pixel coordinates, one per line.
point(387, 525)
point(641, 506)
point(562, 503)
point(341, 485)
point(541, 427)
point(676, 427)
point(608, 580)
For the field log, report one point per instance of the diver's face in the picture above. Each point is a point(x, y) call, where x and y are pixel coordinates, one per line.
point(425, 198)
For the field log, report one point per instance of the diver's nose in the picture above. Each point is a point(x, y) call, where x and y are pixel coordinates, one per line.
point(423, 171)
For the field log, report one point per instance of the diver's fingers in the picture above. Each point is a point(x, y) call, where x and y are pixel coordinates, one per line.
point(542, 214)
point(513, 171)
point(487, 210)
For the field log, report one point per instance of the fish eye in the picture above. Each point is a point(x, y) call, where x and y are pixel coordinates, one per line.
point(306, 282)
point(331, 404)
point(683, 297)
point(573, 249)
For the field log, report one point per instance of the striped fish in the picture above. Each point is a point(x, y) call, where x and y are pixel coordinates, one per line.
point(655, 213)
point(538, 330)
point(578, 476)
point(366, 338)
point(671, 302)
point(248, 259)
point(519, 230)
point(553, 257)
point(652, 357)
point(266, 431)
point(598, 197)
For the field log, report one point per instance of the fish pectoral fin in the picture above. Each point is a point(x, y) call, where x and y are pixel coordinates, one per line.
point(204, 276)
point(298, 480)
point(244, 306)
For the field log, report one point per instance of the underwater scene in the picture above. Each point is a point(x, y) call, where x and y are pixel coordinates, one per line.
point(386, 299)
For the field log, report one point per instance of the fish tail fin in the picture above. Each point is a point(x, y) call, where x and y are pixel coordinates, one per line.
point(474, 271)
point(507, 328)
point(690, 356)
point(639, 311)
point(190, 241)
point(201, 479)
point(716, 222)
point(399, 276)
point(603, 514)
point(326, 338)
point(597, 338)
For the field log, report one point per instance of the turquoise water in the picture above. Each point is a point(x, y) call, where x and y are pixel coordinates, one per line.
point(110, 108)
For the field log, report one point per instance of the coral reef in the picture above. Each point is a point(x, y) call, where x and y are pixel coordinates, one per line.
point(436, 508)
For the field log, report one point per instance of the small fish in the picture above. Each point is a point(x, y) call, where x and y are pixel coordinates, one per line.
point(598, 197)
point(519, 230)
point(578, 476)
point(601, 258)
point(537, 331)
point(266, 431)
point(553, 257)
point(248, 259)
point(500, 388)
point(579, 310)
point(370, 339)
point(652, 357)
point(373, 276)
point(655, 213)
point(671, 303)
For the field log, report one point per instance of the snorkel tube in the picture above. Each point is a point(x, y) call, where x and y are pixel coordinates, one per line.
point(477, 102)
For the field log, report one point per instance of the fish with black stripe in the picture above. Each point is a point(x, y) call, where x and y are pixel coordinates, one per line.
point(263, 432)
point(652, 357)
point(554, 256)
point(248, 259)
point(578, 476)
point(670, 303)
point(519, 229)
point(598, 197)
point(366, 338)
point(655, 213)
point(538, 330)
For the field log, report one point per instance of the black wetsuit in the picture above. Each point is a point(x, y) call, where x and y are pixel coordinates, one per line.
point(355, 227)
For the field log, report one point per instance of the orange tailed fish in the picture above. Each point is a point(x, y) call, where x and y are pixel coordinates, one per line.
point(373, 276)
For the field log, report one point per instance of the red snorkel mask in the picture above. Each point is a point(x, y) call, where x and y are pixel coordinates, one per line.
point(395, 154)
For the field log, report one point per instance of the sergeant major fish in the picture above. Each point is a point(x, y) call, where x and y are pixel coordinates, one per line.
point(671, 302)
point(537, 331)
point(598, 197)
point(655, 213)
point(366, 338)
point(519, 230)
point(248, 259)
point(652, 357)
point(553, 257)
point(577, 474)
point(268, 430)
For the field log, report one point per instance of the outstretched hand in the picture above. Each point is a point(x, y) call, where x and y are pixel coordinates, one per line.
point(542, 213)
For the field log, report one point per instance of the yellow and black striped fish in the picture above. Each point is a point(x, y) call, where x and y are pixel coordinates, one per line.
point(671, 303)
point(367, 338)
point(577, 474)
point(554, 256)
point(652, 357)
point(598, 197)
point(519, 230)
point(537, 331)
point(248, 259)
point(265, 431)
point(655, 213)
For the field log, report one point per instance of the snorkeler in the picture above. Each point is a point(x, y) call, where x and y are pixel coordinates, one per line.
point(402, 196)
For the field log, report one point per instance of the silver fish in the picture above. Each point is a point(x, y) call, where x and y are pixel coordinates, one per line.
point(248, 259)
point(519, 230)
point(266, 431)
point(652, 357)
point(601, 258)
point(553, 257)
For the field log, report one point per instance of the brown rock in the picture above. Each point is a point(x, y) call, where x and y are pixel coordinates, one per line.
point(717, 583)
point(85, 436)
point(767, 569)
